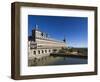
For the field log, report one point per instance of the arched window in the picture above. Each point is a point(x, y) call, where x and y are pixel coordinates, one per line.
point(42, 51)
point(34, 52)
point(38, 51)
point(45, 51)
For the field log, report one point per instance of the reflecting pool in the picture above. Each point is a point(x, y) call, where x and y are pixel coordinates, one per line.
point(51, 60)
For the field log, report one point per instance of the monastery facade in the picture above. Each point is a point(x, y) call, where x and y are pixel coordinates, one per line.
point(40, 44)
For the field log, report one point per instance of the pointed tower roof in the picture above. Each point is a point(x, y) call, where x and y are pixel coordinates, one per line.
point(36, 27)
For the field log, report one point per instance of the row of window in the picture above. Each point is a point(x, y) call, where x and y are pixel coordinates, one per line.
point(42, 51)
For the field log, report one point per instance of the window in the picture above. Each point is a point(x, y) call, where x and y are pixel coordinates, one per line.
point(45, 51)
point(38, 51)
point(42, 34)
point(34, 52)
point(42, 51)
point(49, 50)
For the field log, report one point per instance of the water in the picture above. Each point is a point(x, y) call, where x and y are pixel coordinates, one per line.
point(50, 60)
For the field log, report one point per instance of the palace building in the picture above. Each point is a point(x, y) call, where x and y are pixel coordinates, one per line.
point(40, 44)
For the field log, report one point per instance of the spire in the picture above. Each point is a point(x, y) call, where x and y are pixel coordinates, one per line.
point(36, 27)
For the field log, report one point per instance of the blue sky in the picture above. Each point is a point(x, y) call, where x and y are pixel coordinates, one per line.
point(74, 29)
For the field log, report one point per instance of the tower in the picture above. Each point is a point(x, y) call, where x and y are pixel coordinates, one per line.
point(35, 32)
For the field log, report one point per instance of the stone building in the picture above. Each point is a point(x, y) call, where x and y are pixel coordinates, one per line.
point(40, 44)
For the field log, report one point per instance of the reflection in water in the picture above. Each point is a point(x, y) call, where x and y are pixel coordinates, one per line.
point(50, 60)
